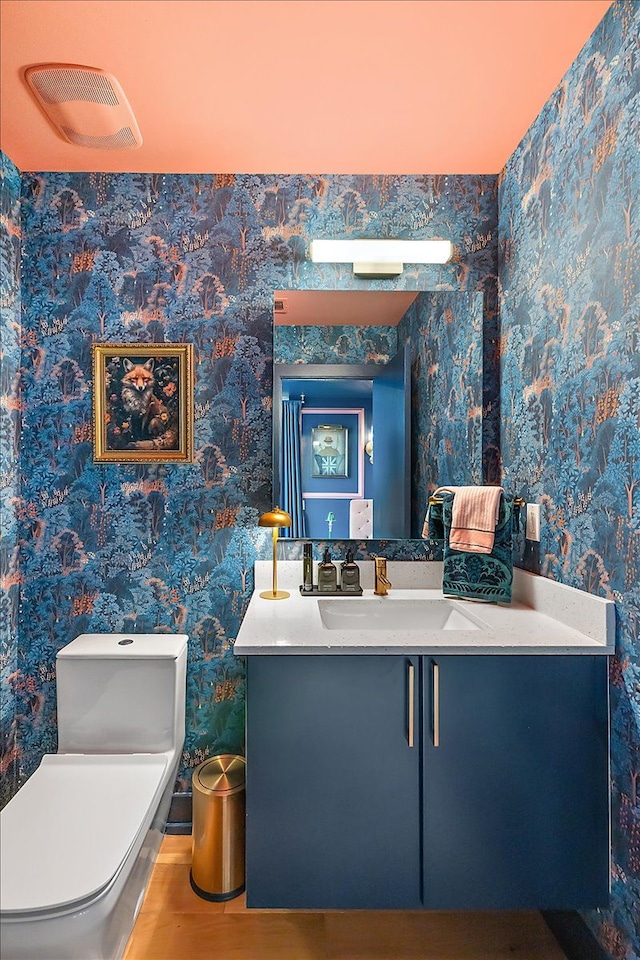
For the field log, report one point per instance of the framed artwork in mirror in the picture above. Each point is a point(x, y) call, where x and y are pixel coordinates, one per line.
point(329, 444)
point(143, 402)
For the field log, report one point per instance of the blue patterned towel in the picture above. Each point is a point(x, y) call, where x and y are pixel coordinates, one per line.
point(476, 576)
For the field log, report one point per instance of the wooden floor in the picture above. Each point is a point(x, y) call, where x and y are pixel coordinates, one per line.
point(175, 924)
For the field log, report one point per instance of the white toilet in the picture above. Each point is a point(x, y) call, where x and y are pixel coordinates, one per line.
point(80, 838)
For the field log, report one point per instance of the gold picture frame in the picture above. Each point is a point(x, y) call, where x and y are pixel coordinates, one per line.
point(143, 402)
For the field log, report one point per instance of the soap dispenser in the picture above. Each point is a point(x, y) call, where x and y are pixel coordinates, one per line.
point(327, 575)
point(350, 575)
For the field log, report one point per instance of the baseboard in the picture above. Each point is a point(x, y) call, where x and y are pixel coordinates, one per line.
point(574, 935)
point(179, 820)
point(178, 829)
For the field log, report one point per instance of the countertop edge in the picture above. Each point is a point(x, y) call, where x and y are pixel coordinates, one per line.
point(247, 650)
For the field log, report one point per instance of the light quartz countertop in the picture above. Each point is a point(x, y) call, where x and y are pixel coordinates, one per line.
point(544, 617)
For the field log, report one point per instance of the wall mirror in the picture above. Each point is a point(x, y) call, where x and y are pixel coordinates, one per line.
point(386, 388)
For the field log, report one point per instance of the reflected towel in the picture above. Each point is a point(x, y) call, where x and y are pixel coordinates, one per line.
point(474, 517)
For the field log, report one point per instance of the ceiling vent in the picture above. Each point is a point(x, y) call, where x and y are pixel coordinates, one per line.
point(86, 105)
point(280, 305)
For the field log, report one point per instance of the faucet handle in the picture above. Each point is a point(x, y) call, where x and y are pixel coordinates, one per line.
point(381, 582)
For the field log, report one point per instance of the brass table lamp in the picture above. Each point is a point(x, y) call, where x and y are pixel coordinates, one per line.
point(275, 519)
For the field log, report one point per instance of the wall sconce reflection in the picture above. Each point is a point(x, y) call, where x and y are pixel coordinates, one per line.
point(368, 449)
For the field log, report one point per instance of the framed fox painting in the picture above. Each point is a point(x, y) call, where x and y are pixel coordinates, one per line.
point(143, 402)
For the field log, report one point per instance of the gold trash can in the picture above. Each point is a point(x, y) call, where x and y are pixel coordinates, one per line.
point(217, 862)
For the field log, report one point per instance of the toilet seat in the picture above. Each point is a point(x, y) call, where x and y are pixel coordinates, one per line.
point(53, 857)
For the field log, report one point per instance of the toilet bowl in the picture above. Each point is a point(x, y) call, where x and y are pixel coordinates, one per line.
point(80, 838)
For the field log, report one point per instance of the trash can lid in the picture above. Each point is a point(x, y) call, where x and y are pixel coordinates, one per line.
point(222, 774)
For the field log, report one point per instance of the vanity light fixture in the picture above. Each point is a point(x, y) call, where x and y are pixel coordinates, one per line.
point(380, 258)
point(275, 519)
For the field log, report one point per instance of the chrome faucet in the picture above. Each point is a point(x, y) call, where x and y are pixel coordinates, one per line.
point(381, 583)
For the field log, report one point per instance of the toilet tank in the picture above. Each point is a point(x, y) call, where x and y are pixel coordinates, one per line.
point(121, 693)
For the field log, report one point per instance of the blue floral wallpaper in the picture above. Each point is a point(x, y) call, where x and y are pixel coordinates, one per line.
point(10, 242)
point(148, 258)
point(570, 345)
point(314, 343)
point(444, 332)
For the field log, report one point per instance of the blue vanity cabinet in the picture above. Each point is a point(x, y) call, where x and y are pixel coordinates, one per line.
point(333, 786)
point(515, 782)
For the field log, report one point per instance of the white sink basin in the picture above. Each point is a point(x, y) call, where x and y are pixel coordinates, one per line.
point(385, 613)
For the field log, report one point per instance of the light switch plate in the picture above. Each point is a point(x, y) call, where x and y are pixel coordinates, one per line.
point(533, 522)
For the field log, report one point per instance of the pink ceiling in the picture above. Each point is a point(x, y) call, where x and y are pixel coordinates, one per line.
point(371, 308)
point(283, 86)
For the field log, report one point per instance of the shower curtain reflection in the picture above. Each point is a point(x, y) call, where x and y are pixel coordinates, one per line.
point(291, 467)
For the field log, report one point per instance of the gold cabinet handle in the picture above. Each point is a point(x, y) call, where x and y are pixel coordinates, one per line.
point(436, 704)
point(411, 700)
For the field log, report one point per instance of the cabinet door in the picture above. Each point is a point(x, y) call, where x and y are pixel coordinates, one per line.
point(516, 789)
point(333, 799)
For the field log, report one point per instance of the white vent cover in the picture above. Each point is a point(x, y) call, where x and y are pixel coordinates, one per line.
point(86, 105)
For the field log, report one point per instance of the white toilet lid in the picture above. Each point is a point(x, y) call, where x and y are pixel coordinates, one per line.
point(67, 831)
point(128, 646)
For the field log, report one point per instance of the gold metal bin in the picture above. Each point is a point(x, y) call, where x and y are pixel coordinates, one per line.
point(217, 863)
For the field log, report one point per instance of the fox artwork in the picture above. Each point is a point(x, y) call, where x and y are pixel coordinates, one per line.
point(141, 410)
point(143, 402)
point(149, 423)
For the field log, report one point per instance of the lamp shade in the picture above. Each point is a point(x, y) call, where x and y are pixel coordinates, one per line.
point(275, 518)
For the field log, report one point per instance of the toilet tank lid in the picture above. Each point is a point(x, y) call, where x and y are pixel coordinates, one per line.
point(133, 646)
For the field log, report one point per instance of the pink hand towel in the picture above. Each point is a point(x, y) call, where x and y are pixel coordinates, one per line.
point(474, 516)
